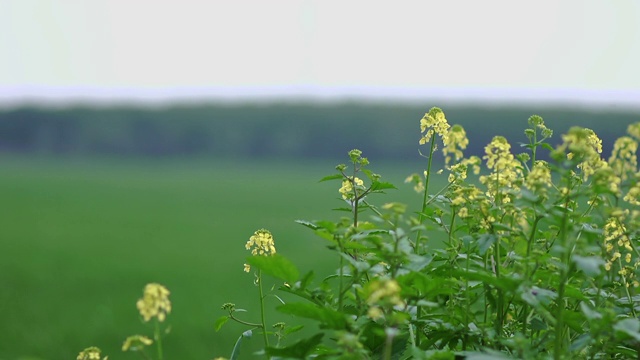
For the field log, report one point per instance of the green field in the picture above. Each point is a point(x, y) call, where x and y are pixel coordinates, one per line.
point(79, 239)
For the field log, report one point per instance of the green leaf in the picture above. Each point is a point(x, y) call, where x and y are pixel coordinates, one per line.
point(484, 242)
point(547, 146)
point(378, 185)
point(221, 321)
point(275, 265)
point(630, 326)
point(331, 177)
point(293, 329)
point(488, 355)
point(298, 350)
point(236, 348)
point(308, 224)
point(590, 265)
point(328, 318)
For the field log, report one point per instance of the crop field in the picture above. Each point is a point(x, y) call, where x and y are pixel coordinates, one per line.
point(80, 238)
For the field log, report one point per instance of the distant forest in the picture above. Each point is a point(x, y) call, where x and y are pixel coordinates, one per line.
point(277, 130)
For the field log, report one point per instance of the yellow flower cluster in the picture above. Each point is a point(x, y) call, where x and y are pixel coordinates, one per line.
point(539, 178)
point(506, 169)
point(584, 145)
point(458, 173)
point(90, 353)
point(136, 343)
point(454, 142)
point(623, 158)
point(261, 243)
point(633, 196)
point(618, 245)
point(154, 302)
point(347, 187)
point(605, 178)
point(418, 185)
point(634, 130)
point(384, 292)
point(433, 122)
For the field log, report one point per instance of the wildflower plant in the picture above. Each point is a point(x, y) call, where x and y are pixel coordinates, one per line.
point(530, 255)
point(154, 306)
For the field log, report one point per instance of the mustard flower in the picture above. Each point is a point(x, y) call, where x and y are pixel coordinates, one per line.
point(154, 302)
point(539, 178)
point(506, 169)
point(633, 195)
point(623, 158)
point(433, 122)
point(418, 185)
point(136, 343)
point(90, 353)
point(605, 178)
point(474, 162)
point(584, 145)
point(634, 130)
point(261, 244)
point(454, 142)
point(384, 291)
point(536, 121)
point(347, 187)
point(617, 243)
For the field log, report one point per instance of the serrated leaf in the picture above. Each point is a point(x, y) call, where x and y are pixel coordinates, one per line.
point(331, 177)
point(328, 318)
point(275, 265)
point(220, 322)
point(379, 185)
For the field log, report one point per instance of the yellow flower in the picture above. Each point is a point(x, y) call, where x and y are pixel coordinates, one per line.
point(454, 142)
point(261, 244)
point(417, 181)
point(463, 212)
point(506, 169)
point(633, 195)
point(136, 342)
point(347, 187)
point(539, 177)
point(90, 353)
point(374, 313)
point(634, 130)
point(623, 158)
point(433, 122)
point(154, 303)
point(384, 291)
point(247, 267)
point(585, 146)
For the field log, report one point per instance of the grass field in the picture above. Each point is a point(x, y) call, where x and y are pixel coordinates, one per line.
point(79, 239)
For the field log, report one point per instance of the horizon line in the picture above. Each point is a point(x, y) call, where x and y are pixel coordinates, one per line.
point(51, 95)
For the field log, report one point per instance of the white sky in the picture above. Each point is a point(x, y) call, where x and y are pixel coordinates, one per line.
point(577, 50)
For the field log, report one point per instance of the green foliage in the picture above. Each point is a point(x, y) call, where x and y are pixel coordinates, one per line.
point(539, 259)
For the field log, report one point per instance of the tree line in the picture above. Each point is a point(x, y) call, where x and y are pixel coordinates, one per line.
point(277, 130)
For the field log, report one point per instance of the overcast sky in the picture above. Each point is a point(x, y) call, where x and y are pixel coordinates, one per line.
point(581, 51)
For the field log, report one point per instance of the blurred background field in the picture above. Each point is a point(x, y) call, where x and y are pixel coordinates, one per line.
point(98, 202)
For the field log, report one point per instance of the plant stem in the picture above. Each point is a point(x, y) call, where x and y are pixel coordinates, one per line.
point(426, 191)
point(558, 347)
point(262, 320)
point(158, 339)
